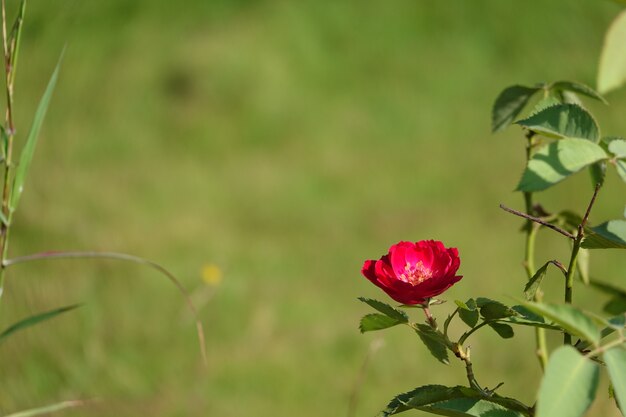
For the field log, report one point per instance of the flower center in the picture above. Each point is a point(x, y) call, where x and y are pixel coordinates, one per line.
point(416, 274)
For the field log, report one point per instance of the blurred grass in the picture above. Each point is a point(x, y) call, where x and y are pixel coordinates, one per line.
point(285, 142)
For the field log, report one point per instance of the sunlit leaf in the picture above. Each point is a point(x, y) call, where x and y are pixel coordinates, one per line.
point(569, 385)
point(612, 69)
point(615, 359)
point(577, 88)
point(558, 160)
point(569, 318)
point(608, 235)
point(563, 121)
point(375, 321)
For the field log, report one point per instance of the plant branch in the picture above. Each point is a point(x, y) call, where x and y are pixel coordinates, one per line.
point(121, 257)
point(538, 220)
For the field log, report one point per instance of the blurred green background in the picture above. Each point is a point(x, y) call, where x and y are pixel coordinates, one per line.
point(285, 142)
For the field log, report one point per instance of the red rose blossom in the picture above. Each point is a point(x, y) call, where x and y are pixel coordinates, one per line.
point(411, 272)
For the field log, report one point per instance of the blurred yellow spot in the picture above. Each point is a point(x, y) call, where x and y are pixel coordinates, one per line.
point(211, 275)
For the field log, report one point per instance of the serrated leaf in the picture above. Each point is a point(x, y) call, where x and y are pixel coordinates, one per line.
point(563, 121)
point(469, 317)
point(558, 160)
point(509, 104)
point(454, 402)
point(569, 318)
point(434, 342)
point(544, 103)
point(495, 310)
point(533, 284)
point(375, 321)
point(33, 320)
point(468, 305)
point(618, 148)
point(578, 88)
point(569, 385)
point(615, 359)
point(612, 69)
point(608, 235)
point(31, 142)
point(504, 330)
point(386, 309)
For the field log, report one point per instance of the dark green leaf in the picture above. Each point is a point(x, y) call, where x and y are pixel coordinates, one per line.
point(504, 330)
point(528, 318)
point(616, 305)
point(612, 69)
point(558, 160)
point(615, 360)
point(35, 319)
point(611, 234)
point(454, 402)
point(31, 142)
point(376, 321)
point(563, 121)
point(533, 284)
point(434, 341)
point(469, 317)
point(386, 309)
point(495, 310)
point(509, 104)
point(569, 384)
point(577, 88)
point(569, 318)
point(597, 172)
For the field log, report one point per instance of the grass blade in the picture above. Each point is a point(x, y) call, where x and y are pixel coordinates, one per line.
point(127, 258)
point(31, 142)
point(35, 319)
point(48, 409)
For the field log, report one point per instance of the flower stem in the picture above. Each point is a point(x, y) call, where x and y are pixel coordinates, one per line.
point(429, 317)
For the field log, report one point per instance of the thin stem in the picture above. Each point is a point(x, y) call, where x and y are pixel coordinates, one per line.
point(538, 220)
point(120, 257)
point(447, 322)
point(429, 317)
point(469, 333)
point(571, 269)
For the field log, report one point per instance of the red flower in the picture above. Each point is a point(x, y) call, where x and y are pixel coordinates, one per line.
point(413, 272)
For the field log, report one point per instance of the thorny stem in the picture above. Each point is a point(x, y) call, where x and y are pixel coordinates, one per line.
point(538, 220)
point(429, 317)
point(571, 269)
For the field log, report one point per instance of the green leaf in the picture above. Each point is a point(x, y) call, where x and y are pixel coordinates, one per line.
point(34, 319)
point(597, 172)
point(615, 360)
point(558, 160)
point(29, 148)
point(509, 104)
point(563, 121)
point(620, 166)
point(375, 321)
point(618, 148)
point(504, 330)
point(577, 88)
point(533, 284)
point(434, 341)
point(15, 38)
point(398, 315)
point(494, 310)
point(612, 69)
point(611, 234)
point(569, 385)
point(569, 318)
point(469, 317)
point(607, 288)
point(613, 324)
point(454, 402)
point(616, 305)
point(528, 318)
